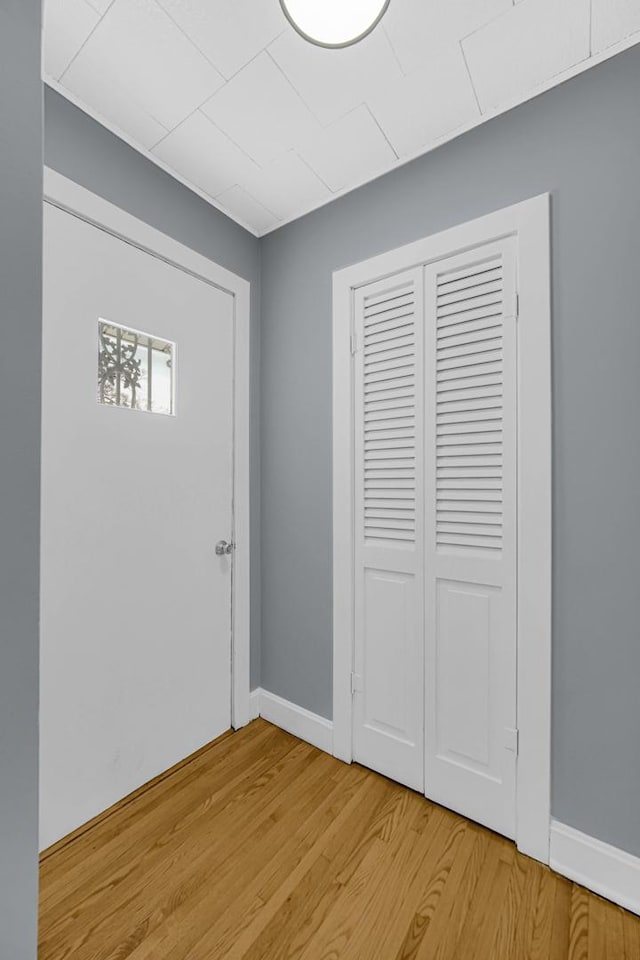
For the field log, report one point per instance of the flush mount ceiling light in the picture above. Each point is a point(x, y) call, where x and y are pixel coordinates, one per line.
point(334, 23)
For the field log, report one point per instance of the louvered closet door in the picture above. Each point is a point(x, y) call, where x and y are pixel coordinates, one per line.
point(470, 524)
point(388, 680)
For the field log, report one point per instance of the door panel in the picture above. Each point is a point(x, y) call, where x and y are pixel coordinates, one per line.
point(470, 458)
point(390, 605)
point(136, 631)
point(389, 648)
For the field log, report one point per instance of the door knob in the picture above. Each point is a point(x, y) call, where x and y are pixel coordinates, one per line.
point(223, 547)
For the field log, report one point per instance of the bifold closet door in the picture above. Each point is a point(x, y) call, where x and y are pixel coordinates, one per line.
point(470, 532)
point(388, 677)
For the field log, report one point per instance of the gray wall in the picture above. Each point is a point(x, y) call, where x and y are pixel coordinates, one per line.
point(581, 141)
point(83, 150)
point(20, 326)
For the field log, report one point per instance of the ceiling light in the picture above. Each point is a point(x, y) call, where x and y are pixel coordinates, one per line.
point(334, 23)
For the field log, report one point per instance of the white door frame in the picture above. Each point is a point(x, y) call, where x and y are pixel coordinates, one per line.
point(529, 223)
point(76, 200)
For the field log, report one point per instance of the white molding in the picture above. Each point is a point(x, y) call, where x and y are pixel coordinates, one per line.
point(534, 530)
point(76, 200)
point(254, 703)
point(303, 724)
point(608, 871)
point(528, 222)
point(343, 516)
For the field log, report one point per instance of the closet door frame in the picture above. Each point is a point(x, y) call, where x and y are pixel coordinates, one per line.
point(529, 223)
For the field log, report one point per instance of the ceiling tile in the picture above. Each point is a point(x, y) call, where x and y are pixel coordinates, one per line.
point(351, 150)
point(287, 186)
point(229, 32)
point(67, 24)
point(417, 29)
point(516, 53)
point(137, 46)
point(260, 111)
point(425, 106)
point(332, 82)
point(108, 99)
point(294, 123)
point(101, 6)
point(613, 20)
point(243, 207)
point(202, 154)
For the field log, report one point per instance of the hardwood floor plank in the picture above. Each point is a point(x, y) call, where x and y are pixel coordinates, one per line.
point(526, 936)
point(606, 929)
point(420, 891)
point(561, 917)
point(579, 924)
point(294, 923)
point(615, 932)
point(631, 927)
point(264, 848)
point(510, 917)
point(597, 932)
point(479, 933)
point(434, 912)
point(403, 874)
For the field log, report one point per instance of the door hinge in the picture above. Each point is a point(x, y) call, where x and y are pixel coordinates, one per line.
point(356, 683)
point(511, 739)
point(354, 344)
point(517, 306)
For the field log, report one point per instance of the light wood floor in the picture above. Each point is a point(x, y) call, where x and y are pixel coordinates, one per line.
point(264, 848)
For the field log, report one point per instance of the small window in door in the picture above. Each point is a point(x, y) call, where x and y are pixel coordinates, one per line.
point(135, 370)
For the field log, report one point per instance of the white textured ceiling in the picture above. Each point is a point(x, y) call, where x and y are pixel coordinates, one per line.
point(228, 97)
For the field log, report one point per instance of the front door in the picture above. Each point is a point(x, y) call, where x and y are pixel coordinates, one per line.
point(136, 491)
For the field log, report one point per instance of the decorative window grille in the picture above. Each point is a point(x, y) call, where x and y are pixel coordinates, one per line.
point(135, 370)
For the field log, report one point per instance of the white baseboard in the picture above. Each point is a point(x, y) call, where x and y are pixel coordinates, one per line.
point(254, 704)
point(292, 718)
point(608, 871)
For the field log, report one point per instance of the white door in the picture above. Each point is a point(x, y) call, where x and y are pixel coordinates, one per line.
point(136, 605)
point(435, 531)
point(388, 705)
point(470, 458)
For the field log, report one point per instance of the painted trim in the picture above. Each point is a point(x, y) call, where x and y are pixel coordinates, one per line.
point(556, 80)
point(529, 223)
point(533, 790)
point(76, 200)
point(608, 871)
point(254, 704)
point(302, 723)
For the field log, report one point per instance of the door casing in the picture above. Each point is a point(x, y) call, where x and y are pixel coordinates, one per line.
point(529, 223)
point(76, 200)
